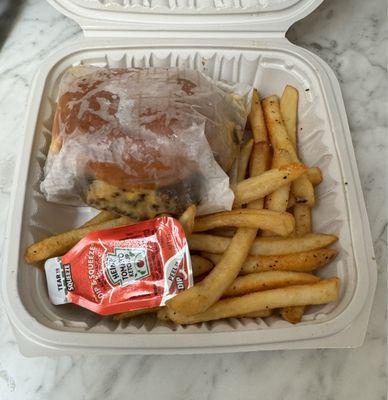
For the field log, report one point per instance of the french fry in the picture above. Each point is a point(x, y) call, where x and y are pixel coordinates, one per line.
point(209, 243)
point(276, 129)
point(292, 314)
point(279, 223)
point(256, 119)
point(258, 187)
point(187, 220)
point(233, 174)
point(243, 160)
point(200, 265)
point(314, 175)
point(289, 111)
point(322, 292)
point(135, 313)
point(302, 187)
point(200, 297)
point(101, 217)
point(267, 280)
point(163, 314)
point(278, 199)
point(267, 246)
point(302, 215)
point(264, 246)
point(303, 262)
point(59, 244)
point(260, 161)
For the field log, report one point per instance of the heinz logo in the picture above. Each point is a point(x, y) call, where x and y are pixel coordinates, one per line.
point(124, 266)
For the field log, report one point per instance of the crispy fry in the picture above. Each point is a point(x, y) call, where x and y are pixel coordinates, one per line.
point(279, 223)
point(243, 160)
point(200, 265)
point(314, 175)
point(292, 314)
point(256, 119)
point(201, 296)
point(303, 262)
point(187, 219)
point(102, 216)
point(302, 214)
point(59, 244)
point(260, 186)
point(265, 246)
point(278, 200)
point(303, 191)
point(267, 280)
point(260, 161)
point(135, 313)
point(289, 111)
point(276, 129)
point(322, 292)
point(302, 187)
point(162, 314)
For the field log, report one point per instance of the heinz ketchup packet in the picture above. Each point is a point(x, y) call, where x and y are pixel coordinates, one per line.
point(123, 269)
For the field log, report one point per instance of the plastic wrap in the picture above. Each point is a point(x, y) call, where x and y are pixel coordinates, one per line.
point(142, 142)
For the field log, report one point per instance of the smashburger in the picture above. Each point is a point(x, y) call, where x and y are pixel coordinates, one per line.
point(143, 142)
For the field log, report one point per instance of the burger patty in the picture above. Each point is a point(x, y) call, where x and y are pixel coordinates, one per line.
point(143, 204)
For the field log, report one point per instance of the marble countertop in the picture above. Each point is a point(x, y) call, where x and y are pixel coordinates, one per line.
point(348, 34)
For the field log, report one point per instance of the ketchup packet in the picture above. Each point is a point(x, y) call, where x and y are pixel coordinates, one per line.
point(123, 269)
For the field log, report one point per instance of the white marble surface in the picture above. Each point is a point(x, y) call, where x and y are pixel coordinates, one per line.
point(351, 36)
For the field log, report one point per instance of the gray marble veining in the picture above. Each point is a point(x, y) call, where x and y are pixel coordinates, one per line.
point(352, 37)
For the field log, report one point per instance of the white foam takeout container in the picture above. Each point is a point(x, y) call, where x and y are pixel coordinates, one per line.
point(238, 40)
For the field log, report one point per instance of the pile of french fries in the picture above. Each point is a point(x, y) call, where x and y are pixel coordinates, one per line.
point(258, 258)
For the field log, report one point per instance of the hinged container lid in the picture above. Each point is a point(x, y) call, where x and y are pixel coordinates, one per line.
point(221, 18)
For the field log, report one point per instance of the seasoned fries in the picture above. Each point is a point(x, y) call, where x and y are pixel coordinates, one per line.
point(187, 220)
point(322, 292)
point(303, 262)
point(289, 111)
point(277, 222)
point(243, 160)
point(302, 215)
point(260, 186)
point(257, 314)
point(256, 119)
point(102, 216)
point(267, 280)
point(314, 175)
point(292, 314)
point(201, 296)
point(302, 188)
point(60, 244)
point(264, 246)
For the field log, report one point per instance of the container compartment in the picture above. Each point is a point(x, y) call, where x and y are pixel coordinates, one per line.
point(267, 70)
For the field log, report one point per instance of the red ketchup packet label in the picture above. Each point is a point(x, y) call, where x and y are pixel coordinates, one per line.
point(123, 269)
